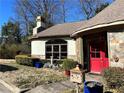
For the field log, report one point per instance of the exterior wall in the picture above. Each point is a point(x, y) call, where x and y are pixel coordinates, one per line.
point(116, 48)
point(71, 49)
point(38, 48)
point(79, 50)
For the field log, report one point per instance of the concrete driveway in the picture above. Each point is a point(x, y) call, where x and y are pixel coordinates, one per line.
point(4, 89)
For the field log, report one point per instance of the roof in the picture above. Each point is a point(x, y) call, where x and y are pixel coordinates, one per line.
point(113, 13)
point(65, 29)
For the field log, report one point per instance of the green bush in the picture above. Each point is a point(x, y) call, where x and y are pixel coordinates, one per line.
point(24, 60)
point(44, 61)
point(9, 51)
point(28, 60)
point(60, 61)
point(114, 77)
point(68, 64)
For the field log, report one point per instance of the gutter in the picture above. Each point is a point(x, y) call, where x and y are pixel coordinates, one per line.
point(97, 26)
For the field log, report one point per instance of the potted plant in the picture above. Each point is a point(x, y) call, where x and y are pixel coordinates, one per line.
point(67, 65)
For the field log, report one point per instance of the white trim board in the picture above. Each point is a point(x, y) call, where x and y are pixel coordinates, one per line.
point(98, 26)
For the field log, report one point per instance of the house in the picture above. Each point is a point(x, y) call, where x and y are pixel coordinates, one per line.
point(97, 43)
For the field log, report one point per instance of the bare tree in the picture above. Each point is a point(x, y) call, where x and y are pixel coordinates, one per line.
point(89, 8)
point(63, 10)
point(28, 10)
point(52, 11)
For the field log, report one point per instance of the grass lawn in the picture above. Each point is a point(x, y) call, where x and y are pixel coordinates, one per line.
point(29, 77)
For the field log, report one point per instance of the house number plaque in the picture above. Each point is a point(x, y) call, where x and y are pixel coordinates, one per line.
point(76, 75)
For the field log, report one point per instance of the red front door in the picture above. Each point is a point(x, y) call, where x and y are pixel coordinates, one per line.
point(98, 55)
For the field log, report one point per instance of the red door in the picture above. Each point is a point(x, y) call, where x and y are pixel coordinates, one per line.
point(98, 56)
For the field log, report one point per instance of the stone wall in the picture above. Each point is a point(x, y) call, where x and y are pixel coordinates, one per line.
point(79, 49)
point(74, 57)
point(116, 48)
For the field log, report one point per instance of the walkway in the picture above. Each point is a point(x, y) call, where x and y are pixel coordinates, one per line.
point(53, 88)
point(4, 89)
point(61, 86)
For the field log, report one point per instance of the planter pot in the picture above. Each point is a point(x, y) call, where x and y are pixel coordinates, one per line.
point(67, 72)
point(38, 65)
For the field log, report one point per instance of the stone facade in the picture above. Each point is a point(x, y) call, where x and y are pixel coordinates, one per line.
point(116, 48)
point(74, 57)
point(79, 49)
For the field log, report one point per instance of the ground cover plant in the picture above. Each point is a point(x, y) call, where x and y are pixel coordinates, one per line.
point(114, 78)
point(30, 77)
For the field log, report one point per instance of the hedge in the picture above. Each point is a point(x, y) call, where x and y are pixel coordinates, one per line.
point(68, 64)
point(114, 77)
point(28, 60)
point(24, 60)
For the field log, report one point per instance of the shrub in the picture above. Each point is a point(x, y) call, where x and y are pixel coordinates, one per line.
point(59, 62)
point(9, 51)
point(28, 60)
point(44, 61)
point(114, 77)
point(121, 89)
point(68, 64)
point(24, 60)
point(4, 53)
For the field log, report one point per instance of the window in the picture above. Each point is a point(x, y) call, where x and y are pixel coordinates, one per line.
point(56, 48)
point(95, 50)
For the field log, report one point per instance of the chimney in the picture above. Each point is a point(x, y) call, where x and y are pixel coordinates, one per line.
point(39, 23)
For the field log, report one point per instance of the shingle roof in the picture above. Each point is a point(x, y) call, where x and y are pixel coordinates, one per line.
point(65, 29)
point(113, 13)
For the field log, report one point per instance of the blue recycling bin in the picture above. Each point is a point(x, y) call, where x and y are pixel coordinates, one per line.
point(93, 87)
point(38, 64)
point(35, 62)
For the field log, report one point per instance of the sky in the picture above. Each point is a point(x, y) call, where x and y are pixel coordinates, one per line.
point(7, 11)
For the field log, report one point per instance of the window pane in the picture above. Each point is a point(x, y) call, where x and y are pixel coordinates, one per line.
point(48, 55)
point(56, 55)
point(63, 55)
point(97, 55)
point(64, 48)
point(93, 55)
point(56, 48)
point(48, 48)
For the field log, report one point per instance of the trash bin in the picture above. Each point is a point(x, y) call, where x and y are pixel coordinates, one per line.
point(38, 64)
point(93, 87)
point(35, 60)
